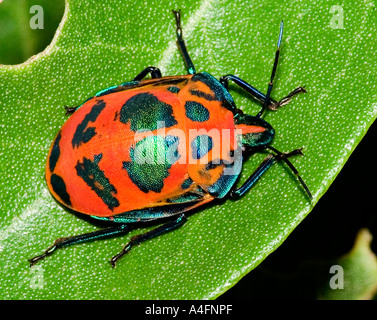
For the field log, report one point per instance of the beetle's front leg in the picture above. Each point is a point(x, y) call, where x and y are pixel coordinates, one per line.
point(266, 164)
point(258, 95)
point(153, 71)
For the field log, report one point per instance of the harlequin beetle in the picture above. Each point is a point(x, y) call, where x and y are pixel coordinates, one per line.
point(94, 164)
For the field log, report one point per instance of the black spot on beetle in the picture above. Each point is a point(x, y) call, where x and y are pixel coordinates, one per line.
point(83, 133)
point(217, 88)
point(116, 116)
point(55, 153)
point(195, 111)
point(146, 113)
point(214, 164)
point(201, 145)
point(95, 178)
point(174, 89)
point(204, 95)
point(186, 184)
point(59, 187)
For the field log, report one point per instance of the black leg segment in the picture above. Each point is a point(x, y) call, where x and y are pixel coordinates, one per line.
point(274, 67)
point(255, 93)
point(267, 163)
point(69, 110)
point(153, 71)
point(135, 240)
point(181, 44)
point(67, 241)
point(265, 99)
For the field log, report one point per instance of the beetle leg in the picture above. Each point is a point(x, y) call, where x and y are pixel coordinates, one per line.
point(66, 241)
point(181, 43)
point(274, 67)
point(255, 93)
point(265, 99)
point(155, 73)
point(69, 110)
point(258, 95)
point(135, 240)
point(283, 101)
point(267, 163)
point(284, 156)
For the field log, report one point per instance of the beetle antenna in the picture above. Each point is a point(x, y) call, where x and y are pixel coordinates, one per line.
point(270, 84)
point(284, 156)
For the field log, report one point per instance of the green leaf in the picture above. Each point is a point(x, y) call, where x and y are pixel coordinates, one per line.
point(27, 27)
point(104, 43)
point(355, 274)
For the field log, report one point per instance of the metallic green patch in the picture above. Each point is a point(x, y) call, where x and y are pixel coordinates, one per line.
point(95, 178)
point(220, 93)
point(195, 111)
point(187, 197)
point(201, 145)
point(174, 89)
point(186, 184)
point(151, 160)
point(147, 113)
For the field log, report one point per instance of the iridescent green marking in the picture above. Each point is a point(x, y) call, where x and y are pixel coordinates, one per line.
point(195, 111)
point(146, 113)
point(187, 197)
point(220, 93)
point(106, 91)
point(151, 160)
point(201, 145)
point(174, 89)
point(186, 184)
point(95, 178)
point(113, 89)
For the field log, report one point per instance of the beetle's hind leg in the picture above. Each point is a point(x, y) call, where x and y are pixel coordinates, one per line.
point(67, 241)
point(111, 232)
point(135, 240)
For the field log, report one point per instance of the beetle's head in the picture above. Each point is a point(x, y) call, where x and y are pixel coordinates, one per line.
point(254, 132)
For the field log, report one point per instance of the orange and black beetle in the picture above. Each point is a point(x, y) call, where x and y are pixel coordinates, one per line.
point(157, 148)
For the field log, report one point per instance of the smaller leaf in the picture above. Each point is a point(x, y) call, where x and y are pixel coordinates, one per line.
point(359, 270)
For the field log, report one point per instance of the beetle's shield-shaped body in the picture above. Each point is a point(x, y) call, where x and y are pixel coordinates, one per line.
point(159, 142)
